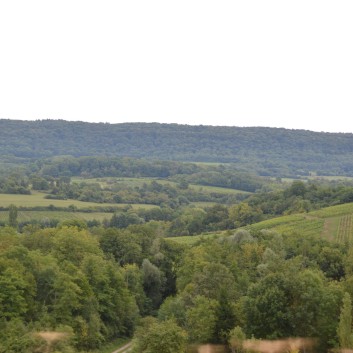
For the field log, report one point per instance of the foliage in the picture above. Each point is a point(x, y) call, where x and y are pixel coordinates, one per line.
point(13, 211)
point(159, 337)
point(344, 329)
point(236, 337)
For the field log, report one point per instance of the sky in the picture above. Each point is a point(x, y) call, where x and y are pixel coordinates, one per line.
point(276, 63)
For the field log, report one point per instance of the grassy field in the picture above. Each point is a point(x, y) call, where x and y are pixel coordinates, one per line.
point(191, 240)
point(24, 216)
point(138, 182)
point(333, 211)
point(38, 199)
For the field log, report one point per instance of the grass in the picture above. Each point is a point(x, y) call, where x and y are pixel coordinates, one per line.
point(138, 182)
point(37, 199)
point(192, 239)
point(333, 211)
point(277, 222)
point(24, 216)
point(217, 189)
point(345, 229)
point(331, 228)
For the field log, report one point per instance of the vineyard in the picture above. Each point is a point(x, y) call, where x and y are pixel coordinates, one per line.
point(345, 229)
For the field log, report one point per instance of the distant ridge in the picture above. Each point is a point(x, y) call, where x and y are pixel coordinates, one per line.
point(266, 151)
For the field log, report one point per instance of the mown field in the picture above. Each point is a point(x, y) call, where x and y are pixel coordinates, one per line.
point(59, 209)
point(193, 239)
point(25, 216)
point(333, 223)
point(139, 182)
point(37, 199)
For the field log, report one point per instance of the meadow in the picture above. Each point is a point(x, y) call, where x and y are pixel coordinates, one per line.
point(193, 239)
point(37, 207)
point(26, 216)
point(139, 182)
point(37, 199)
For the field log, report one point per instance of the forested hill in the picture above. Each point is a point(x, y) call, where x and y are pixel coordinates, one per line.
point(267, 151)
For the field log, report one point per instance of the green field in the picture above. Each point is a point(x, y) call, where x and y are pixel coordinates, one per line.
point(138, 182)
point(25, 216)
point(345, 229)
point(217, 190)
point(37, 199)
point(191, 240)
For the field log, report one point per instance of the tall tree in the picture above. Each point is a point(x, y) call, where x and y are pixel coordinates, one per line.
point(159, 337)
point(344, 330)
point(13, 211)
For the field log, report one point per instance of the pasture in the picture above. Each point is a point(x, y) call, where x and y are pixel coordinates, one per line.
point(37, 207)
point(139, 182)
point(43, 216)
point(37, 199)
point(189, 240)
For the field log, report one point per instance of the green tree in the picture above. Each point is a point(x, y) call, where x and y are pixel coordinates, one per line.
point(236, 338)
point(12, 294)
point(244, 214)
point(13, 211)
point(201, 320)
point(160, 337)
point(173, 308)
point(344, 330)
point(153, 283)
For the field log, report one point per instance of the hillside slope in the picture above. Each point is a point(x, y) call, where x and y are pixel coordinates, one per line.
point(333, 223)
point(267, 151)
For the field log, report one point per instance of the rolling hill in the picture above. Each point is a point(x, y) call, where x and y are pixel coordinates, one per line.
point(266, 151)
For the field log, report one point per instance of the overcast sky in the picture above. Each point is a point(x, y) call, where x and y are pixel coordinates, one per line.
point(244, 63)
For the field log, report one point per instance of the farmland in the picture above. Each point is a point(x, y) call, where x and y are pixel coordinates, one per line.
point(139, 182)
point(43, 216)
point(333, 223)
point(92, 244)
point(37, 207)
point(37, 199)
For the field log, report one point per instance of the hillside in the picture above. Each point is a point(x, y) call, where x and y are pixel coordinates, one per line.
point(266, 151)
point(333, 223)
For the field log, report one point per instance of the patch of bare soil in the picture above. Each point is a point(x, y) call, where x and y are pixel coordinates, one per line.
point(51, 336)
point(279, 346)
point(210, 348)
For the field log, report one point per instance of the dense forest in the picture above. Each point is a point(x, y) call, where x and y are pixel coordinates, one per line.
point(93, 286)
point(266, 151)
